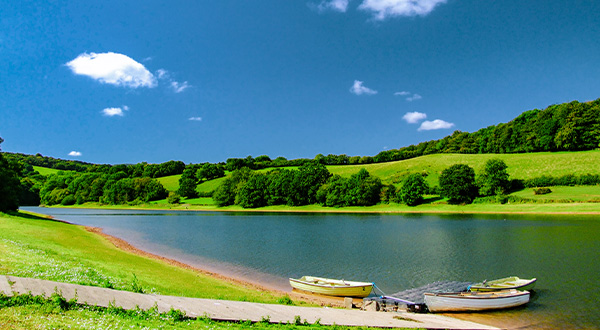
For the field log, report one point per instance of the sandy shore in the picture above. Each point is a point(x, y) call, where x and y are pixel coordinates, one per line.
point(294, 295)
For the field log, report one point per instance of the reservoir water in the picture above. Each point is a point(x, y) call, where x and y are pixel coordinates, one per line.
point(396, 252)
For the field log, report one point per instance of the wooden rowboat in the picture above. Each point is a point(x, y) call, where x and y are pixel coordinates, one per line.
point(475, 301)
point(507, 283)
point(332, 287)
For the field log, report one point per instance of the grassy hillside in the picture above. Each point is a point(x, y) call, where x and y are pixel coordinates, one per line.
point(45, 170)
point(520, 166)
point(171, 182)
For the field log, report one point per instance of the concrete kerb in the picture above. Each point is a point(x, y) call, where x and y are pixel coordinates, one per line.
point(225, 310)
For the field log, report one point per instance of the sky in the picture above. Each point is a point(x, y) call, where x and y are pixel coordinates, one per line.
point(116, 82)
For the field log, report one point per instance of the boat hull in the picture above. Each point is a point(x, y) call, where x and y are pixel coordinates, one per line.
point(475, 301)
point(332, 287)
point(507, 283)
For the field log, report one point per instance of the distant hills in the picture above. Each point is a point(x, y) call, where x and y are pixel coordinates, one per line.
point(573, 126)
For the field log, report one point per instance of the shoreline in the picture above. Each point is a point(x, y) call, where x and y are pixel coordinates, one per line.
point(190, 207)
point(294, 295)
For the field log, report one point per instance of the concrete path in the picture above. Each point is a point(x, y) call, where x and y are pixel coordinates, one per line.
point(226, 310)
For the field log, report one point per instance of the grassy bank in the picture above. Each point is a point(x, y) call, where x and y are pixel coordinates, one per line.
point(35, 247)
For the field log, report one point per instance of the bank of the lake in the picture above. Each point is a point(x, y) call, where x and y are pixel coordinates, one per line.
point(37, 246)
point(590, 208)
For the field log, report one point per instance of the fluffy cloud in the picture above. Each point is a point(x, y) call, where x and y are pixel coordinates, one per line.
point(414, 117)
point(436, 124)
point(359, 89)
point(195, 118)
point(113, 68)
point(335, 5)
point(383, 9)
point(75, 153)
point(111, 112)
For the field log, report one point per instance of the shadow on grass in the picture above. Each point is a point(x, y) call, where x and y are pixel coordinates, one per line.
point(32, 216)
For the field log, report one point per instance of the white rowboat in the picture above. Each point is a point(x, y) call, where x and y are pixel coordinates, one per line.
point(475, 301)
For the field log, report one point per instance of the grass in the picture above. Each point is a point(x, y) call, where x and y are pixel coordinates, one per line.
point(520, 166)
point(576, 194)
point(29, 312)
point(45, 170)
point(171, 182)
point(39, 248)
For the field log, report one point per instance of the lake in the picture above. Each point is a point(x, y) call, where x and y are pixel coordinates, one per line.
point(396, 252)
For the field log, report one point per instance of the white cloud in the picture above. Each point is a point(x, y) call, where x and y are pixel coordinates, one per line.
point(436, 124)
point(403, 93)
point(113, 68)
point(414, 97)
point(179, 87)
point(162, 74)
point(414, 117)
point(195, 118)
point(383, 9)
point(75, 153)
point(359, 89)
point(111, 112)
point(335, 5)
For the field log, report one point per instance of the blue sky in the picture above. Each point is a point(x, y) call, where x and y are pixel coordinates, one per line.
point(197, 81)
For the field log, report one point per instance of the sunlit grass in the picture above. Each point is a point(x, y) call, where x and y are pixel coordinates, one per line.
point(68, 253)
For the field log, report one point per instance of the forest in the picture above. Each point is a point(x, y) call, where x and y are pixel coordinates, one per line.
point(570, 126)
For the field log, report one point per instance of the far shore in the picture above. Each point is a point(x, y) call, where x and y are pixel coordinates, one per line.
point(576, 208)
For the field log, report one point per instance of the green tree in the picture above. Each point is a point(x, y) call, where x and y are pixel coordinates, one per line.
point(307, 180)
point(494, 178)
point(9, 185)
point(188, 182)
point(413, 188)
point(457, 183)
point(253, 193)
point(210, 171)
point(363, 189)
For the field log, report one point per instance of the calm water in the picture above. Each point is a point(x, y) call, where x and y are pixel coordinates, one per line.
point(397, 252)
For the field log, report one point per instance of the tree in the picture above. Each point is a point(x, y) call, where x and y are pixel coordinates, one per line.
point(494, 179)
point(210, 171)
point(413, 188)
point(307, 180)
point(253, 193)
point(188, 182)
point(9, 185)
point(363, 189)
point(457, 183)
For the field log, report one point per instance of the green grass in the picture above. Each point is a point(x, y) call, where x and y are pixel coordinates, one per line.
point(45, 170)
point(171, 182)
point(38, 248)
point(29, 312)
point(577, 194)
point(520, 166)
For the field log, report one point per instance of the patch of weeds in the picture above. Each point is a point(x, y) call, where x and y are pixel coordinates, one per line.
point(285, 300)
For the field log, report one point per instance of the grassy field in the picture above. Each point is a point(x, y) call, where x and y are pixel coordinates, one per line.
point(45, 170)
point(171, 182)
point(520, 166)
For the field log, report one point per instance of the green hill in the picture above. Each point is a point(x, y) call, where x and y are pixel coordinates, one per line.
point(520, 166)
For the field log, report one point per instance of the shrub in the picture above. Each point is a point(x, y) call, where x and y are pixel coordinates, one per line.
point(541, 191)
point(457, 183)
